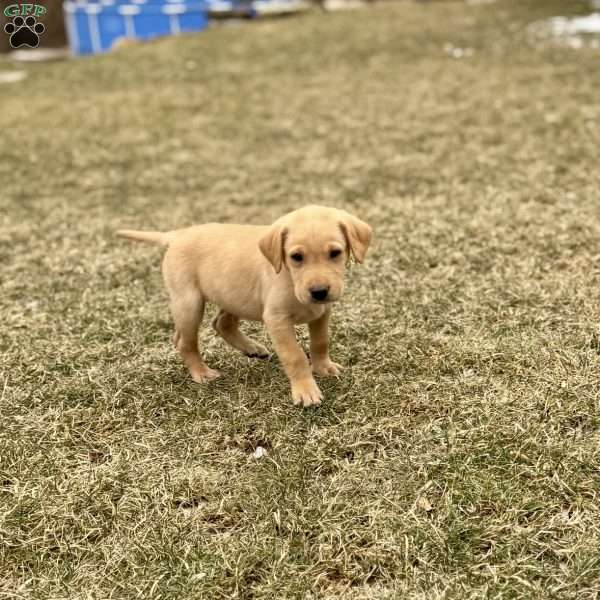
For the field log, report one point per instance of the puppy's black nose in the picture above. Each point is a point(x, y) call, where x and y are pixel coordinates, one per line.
point(319, 293)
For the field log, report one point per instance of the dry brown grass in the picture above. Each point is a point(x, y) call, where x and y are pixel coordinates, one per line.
point(458, 457)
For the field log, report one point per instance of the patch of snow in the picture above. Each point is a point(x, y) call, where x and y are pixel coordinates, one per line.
point(12, 76)
point(573, 32)
point(39, 54)
point(456, 52)
point(574, 25)
point(278, 7)
point(334, 5)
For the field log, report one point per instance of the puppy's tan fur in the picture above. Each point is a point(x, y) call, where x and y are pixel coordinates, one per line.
point(253, 272)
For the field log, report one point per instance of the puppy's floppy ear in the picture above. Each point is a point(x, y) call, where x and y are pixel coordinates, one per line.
point(271, 245)
point(357, 233)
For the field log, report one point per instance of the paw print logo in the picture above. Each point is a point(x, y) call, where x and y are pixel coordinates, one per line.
point(24, 32)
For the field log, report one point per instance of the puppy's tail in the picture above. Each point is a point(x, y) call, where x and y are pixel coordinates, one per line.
point(154, 237)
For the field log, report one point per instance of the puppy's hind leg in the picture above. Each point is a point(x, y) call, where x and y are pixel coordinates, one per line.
point(227, 326)
point(187, 311)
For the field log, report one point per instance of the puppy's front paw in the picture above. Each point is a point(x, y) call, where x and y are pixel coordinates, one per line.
point(256, 350)
point(326, 368)
point(204, 375)
point(306, 393)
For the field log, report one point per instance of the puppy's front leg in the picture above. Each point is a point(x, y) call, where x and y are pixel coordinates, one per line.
point(319, 347)
point(305, 391)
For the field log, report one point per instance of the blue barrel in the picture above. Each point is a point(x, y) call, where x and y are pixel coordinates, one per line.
point(95, 26)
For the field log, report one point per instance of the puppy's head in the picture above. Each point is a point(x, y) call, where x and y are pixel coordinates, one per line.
point(314, 244)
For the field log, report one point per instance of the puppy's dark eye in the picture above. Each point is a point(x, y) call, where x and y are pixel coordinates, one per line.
point(297, 257)
point(335, 253)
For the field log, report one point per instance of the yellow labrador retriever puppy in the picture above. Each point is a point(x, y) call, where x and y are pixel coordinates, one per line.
point(284, 274)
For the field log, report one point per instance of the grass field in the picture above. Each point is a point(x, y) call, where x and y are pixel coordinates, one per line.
point(459, 455)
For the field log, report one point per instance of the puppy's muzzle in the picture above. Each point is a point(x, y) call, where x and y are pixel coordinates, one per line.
point(319, 293)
